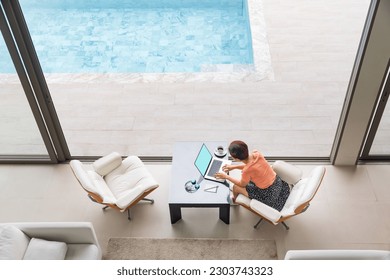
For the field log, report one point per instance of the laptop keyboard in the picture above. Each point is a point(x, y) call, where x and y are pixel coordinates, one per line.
point(215, 166)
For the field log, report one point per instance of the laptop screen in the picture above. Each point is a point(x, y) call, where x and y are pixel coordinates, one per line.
point(203, 160)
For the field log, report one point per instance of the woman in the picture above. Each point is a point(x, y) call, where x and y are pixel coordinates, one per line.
point(258, 181)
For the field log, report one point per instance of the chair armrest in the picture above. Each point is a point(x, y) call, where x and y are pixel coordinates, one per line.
point(108, 163)
point(82, 175)
point(265, 211)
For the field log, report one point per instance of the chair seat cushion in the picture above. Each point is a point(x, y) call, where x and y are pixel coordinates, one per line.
point(40, 249)
point(129, 175)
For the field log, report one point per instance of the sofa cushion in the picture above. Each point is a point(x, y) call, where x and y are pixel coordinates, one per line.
point(13, 243)
point(40, 249)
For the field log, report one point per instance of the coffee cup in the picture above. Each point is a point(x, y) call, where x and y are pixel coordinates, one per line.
point(220, 150)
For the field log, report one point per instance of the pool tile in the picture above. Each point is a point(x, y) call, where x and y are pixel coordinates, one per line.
point(180, 39)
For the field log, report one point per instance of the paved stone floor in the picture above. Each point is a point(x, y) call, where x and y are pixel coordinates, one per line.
point(348, 212)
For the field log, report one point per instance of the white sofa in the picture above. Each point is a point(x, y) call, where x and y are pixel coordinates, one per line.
point(337, 255)
point(49, 241)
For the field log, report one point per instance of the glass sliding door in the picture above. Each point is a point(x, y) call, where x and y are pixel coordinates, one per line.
point(381, 144)
point(19, 133)
point(377, 145)
point(84, 48)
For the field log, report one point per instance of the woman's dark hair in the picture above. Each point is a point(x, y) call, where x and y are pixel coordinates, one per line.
point(238, 150)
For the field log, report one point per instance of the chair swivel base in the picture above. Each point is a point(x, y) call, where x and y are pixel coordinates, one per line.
point(283, 223)
point(148, 199)
point(128, 209)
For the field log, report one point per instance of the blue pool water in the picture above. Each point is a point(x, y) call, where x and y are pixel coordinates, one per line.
point(119, 36)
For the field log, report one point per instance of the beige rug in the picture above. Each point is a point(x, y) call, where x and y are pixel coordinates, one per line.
point(189, 249)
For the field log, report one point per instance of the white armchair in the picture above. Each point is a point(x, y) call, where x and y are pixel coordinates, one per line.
point(115, 183)
point(302, 192)
point(49, 241)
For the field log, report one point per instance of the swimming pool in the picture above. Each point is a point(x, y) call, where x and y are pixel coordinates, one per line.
point(155, 36)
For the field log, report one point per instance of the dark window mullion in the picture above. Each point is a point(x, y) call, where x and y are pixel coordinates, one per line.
point(37, 79)
point(8, 38)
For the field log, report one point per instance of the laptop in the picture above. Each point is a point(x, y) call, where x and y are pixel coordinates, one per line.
point(209, 165)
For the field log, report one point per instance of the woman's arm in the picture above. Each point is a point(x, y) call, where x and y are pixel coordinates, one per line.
point(238, 166)
point(229, 167)
point(235, 181)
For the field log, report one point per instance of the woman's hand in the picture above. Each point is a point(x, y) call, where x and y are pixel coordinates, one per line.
point(226, 168)
point(221, 175)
